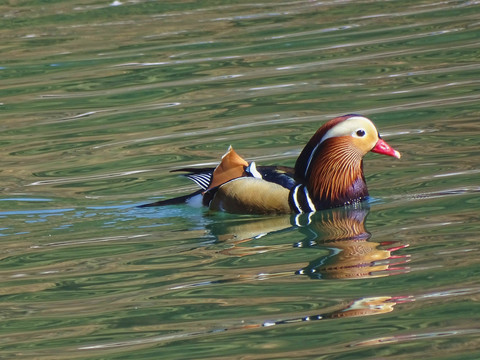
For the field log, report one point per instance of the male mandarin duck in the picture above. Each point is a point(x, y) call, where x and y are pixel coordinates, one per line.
point(327, 174)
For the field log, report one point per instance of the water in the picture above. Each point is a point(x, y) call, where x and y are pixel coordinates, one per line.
point(99, 101)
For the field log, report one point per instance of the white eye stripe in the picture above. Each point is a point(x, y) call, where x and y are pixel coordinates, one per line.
point(345, 127)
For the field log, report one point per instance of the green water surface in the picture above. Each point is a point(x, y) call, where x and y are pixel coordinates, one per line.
point(99, 100)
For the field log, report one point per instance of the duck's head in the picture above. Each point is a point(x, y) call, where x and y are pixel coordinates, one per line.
point(361, 132)
point(331, 162)
point(351, 135)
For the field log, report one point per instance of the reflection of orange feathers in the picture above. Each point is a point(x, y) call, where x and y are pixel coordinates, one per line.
point(231, 167)
point(366, 306)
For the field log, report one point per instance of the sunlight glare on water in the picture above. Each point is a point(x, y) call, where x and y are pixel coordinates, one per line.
point(100, 100)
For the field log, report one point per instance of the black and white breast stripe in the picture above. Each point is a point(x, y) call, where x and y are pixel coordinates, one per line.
point(300, 200)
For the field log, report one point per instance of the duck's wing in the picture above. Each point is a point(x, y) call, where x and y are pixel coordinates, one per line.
point(262, 190)
point(232, 167)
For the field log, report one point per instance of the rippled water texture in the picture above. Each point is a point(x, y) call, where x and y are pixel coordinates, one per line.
point(99, 101)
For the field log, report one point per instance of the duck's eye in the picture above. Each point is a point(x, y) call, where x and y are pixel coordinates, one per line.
point(360, 133)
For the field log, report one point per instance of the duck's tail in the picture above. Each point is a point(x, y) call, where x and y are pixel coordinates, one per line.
point(175, 201)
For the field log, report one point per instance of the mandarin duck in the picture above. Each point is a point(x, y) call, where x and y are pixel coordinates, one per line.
point(327, 174)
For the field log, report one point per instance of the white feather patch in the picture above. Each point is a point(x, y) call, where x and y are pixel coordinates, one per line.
point(195, 201)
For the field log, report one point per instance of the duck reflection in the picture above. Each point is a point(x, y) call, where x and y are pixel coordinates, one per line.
point(352, 253)
point(361, 307)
